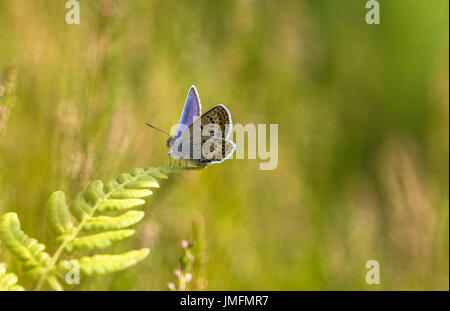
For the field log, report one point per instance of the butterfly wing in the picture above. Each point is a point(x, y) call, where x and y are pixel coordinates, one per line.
point(213, 150)
point(191, 110)
point(220, 116)
point(216, 124)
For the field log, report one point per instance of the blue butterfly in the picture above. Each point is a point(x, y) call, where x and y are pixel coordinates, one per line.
point(202, 139)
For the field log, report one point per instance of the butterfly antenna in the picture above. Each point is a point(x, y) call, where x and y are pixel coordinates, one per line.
point(154, 127)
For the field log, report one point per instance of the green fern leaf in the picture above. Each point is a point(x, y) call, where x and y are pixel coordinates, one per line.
point(8, 280)
point(105, 223)
point(94, 192)
point(80, 207)
point(130, 193)
point(58, 216)
point(143, 182)
point(122, 193)
point(103, 264)
point(100, 240)
point(118, 205)
point(124, 178)
point(155, 172)
point(26, 249)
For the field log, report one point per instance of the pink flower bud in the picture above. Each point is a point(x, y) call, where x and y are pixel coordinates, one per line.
point(171, 286)
point(188, 277)
point(184, 244)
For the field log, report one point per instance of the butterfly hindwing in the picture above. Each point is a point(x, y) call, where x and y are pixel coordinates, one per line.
point(212, 150)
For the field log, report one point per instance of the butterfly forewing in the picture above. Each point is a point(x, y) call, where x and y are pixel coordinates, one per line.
point(220, 116)
point(191, 110)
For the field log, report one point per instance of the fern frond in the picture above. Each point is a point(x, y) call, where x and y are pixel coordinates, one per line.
point(80, 207)
point(105, 223)
point(99, 240)
point(130, 193)
point(103, 264)
point(153, 171)
point(88, 229)
point(122, 193)
point(58, 216)
point(8, 280)
point(26, 249)
point(118, 205)
point(148, 182)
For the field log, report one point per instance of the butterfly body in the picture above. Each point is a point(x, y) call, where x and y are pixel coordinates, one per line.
point(203, 139)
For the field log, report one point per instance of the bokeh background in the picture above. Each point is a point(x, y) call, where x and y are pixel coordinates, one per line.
point(363, 114)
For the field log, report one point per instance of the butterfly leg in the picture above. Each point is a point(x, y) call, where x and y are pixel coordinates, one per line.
point(174, 164)
point(164, 161)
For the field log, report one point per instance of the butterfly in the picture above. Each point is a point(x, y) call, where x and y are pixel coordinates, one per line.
point(202, 139)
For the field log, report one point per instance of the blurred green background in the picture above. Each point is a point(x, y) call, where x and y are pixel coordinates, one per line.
point(363, 114)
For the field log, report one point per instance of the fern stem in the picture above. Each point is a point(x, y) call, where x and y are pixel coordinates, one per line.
point(58, 252)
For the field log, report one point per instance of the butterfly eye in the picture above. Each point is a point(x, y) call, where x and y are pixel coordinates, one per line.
point(169, 142)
